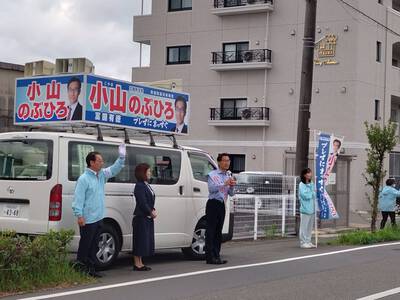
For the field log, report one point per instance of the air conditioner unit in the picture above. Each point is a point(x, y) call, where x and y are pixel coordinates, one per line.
point(41, 67)
point(74, 65)
point(248, 56)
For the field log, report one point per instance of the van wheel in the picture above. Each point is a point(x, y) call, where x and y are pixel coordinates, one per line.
point(109, 246)
point(197, 249)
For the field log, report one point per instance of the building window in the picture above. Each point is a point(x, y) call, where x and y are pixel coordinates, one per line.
point(378, 51)
point(176, 5)
point(178, 55)
point(234, 52)
point(377, 110)
point(396, 5)
point(394, 166)
point(396, 55)
point(238, 162)
point(232, 109)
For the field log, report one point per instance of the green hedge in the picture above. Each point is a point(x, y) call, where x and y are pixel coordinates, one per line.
point(364, 237)
point(28, 263)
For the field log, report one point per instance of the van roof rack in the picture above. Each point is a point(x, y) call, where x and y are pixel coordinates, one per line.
point(103, 130)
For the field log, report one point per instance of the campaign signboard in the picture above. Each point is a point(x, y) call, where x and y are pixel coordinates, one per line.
point(327, 152)
point(100, 100)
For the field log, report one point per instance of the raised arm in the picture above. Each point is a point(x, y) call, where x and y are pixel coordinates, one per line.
point(113, 170)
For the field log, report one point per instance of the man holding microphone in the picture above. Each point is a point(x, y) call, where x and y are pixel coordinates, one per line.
point(220, 185)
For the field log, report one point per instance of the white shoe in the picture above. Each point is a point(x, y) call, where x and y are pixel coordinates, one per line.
point(306, 246)
point(312, 245)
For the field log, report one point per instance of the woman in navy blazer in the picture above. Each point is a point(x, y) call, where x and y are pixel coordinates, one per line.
point(143, 218)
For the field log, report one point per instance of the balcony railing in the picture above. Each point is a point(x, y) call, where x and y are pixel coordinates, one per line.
point(240, 113)
point(242, 56)
point(233, 3)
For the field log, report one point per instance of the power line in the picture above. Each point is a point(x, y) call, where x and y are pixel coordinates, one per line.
point(370, 18)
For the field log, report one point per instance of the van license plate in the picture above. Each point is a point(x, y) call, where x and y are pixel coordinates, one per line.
point(11, 212)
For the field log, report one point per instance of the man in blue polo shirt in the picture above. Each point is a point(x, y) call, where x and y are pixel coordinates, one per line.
point(88, 205)
point(220, 185)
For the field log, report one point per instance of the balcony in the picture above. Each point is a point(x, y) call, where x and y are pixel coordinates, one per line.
point(242, 116)
point(234, 7)
point(241, 60)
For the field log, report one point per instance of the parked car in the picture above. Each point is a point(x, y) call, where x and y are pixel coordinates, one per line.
point(259, 183)
point(267, 190)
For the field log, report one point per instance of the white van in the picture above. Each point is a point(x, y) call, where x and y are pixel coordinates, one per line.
point(38, 172)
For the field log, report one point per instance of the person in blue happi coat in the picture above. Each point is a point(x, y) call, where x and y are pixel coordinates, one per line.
point(387, 202)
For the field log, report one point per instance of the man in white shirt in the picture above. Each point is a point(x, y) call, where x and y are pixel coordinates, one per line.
point(74, 107)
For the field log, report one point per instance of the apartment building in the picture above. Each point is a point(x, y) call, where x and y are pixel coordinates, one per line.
point(8, 74)
point(241, 62)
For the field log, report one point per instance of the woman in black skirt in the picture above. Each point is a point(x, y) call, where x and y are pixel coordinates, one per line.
point(143, 218)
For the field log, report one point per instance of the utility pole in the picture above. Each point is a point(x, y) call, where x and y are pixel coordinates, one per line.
point(307, 67)
point(303, 131)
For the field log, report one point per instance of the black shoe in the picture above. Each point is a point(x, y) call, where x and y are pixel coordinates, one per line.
point(222, 261)
point(144, 268)
point(92, 272)
point(216, 261)
point(95, 274)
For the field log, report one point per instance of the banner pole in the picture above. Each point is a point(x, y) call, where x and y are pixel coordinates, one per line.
point(315, 200)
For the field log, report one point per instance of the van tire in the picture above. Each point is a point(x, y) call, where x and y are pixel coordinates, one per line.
point(109, 246)
point(197, 249)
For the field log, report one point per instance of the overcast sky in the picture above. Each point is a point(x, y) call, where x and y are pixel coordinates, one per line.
point(100, 30)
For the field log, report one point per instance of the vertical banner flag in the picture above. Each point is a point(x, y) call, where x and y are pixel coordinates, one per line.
point(326, 155)
point(88, 98)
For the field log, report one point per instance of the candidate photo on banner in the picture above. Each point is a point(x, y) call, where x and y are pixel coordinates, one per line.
point(334, 149)
point(49, 99)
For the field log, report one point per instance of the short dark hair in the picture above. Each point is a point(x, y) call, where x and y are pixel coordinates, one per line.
point(221, 155)
point(337, 141)
point(140, 172)
point(303, 175)
point(74, 79)
point(181, 99)
point(91, 157)
point(390, 181)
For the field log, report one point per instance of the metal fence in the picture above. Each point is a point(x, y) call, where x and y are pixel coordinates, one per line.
point(264, 205)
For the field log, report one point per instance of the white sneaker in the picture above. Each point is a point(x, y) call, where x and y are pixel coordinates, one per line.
point(306, 246)
point(312, 245)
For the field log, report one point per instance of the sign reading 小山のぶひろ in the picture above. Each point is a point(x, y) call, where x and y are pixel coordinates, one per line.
point(100, 100)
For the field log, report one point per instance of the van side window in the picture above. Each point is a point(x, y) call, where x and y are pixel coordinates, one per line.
point(27, 159)
point(165, 164)
point(201, 166)
point(77, 152)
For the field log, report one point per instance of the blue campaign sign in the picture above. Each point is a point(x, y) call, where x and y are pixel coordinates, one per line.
point(323, 156)
point(49, 99)
point(100, 100)
point(120, 103)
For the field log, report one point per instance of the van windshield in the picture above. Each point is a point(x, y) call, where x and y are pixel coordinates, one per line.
point(25, 159)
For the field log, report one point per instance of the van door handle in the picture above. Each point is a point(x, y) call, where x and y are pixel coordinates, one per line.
point(196, 189)
point(181, 190)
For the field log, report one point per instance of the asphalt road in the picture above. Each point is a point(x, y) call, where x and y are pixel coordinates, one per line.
point(255, 270)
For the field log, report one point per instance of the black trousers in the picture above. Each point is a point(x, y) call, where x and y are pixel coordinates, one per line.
point(88, 244)
point(215, 216)
point(385, 215)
